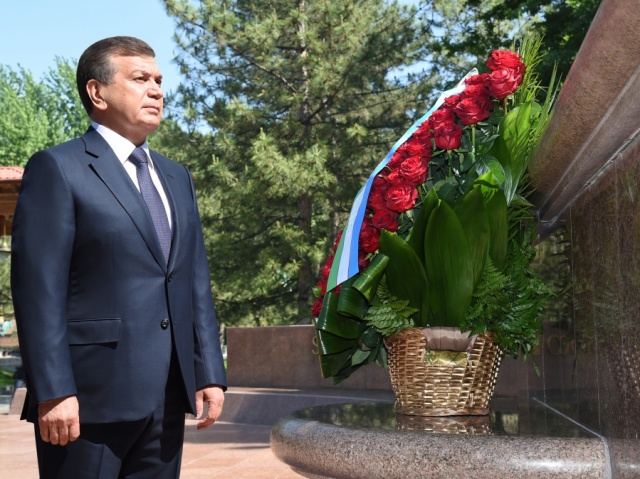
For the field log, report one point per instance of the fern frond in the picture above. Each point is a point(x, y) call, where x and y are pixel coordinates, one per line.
point(391, 314)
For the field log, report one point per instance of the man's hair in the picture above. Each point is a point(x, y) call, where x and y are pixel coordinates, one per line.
point(95, 62)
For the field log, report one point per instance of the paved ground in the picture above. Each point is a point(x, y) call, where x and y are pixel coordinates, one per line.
point(229, 451)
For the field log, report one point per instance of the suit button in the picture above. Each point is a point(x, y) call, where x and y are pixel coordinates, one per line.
point(170, 278)
point(164, 324)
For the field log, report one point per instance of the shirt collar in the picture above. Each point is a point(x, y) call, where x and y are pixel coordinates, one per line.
point(119, 144)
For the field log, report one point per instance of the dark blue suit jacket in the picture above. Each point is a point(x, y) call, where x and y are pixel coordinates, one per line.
point(91, 287)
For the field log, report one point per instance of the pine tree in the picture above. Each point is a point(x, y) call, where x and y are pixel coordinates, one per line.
point(290, 105)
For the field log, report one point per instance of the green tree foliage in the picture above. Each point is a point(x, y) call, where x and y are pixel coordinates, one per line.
point(37, 114)
point(299, 101)
point(465, 30)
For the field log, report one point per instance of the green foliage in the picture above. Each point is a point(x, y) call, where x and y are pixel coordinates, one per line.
point(389, 314)
point(37, 115)
point(449, 267)
point(5, 280)
point(510, 303)
point(405, 274)
point(6, 378)
point(464, 30)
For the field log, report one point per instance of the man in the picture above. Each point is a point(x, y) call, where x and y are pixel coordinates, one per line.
point(110, 284)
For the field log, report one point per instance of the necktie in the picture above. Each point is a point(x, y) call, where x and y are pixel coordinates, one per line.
point(152, 198)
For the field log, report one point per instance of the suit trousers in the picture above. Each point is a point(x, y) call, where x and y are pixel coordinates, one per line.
point(150, 448)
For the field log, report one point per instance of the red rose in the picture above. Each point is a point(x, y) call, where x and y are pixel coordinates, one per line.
point(473, 109)
point(480, 80)
point(448, 136)
point(317, 307)
point(326, 269)
point(441, 115)
point(503, 83)
point(386, 219)
point(378, 194)
point(397, 159)
point(504, 59)
point(401, 198)
point(450, 102)
point(423, 136)
point(369, 237)
point(322, 284)
point(337, 241)
point(414, 146)
point(394, 177)
point(473, 91)
point(379, 183)
point(414, 170)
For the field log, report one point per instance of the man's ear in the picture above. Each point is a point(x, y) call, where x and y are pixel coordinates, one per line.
point(95, 90)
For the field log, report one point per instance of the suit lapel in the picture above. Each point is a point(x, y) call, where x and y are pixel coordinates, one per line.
point(107, 166)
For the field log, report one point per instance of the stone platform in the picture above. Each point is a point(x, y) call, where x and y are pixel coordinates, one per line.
point(369, 441)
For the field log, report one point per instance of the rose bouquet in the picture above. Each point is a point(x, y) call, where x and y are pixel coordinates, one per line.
point(442, 233)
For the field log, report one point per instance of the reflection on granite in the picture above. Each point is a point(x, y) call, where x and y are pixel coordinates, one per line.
point(466, 425)
point(507, 418)
point(370, 441)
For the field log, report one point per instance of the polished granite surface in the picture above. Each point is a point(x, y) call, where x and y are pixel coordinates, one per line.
point(370, 441)
point(506, 419)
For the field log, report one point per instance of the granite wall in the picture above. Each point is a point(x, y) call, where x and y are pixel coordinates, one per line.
point(587, 172)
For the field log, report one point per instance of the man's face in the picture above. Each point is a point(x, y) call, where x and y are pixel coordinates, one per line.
point(133, 101)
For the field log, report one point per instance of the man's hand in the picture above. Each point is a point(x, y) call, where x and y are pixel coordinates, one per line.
point(59, 420)
point(214, 395)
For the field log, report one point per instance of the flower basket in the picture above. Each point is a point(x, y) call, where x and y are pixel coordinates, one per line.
point(439, 382)
point(432, 274)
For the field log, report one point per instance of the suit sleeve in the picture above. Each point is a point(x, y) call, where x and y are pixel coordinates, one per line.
point(209, 364)
point(41, 249)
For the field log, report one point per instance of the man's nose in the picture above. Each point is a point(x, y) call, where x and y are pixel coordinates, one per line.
point(156, 91)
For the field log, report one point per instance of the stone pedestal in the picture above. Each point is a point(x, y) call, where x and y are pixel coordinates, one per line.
point(369, 441)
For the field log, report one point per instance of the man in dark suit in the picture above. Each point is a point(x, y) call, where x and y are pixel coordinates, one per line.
point(111, 287)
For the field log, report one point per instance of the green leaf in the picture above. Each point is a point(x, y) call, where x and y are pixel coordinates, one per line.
point(359, 357)
point(512, 146)
point(368, 279)
point(499, 227)
point(330, 343)
point(341, 326)
point(496, 168)
point(370, 338)
point(449, 268)
point(406, 277)
point(447, 189)
point(351, 302)
point(334, 365)
point(473, 217)
point(416, 240)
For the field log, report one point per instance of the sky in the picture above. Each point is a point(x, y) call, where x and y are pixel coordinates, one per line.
point(34, 32)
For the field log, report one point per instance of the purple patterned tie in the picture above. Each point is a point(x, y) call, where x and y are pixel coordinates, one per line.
point(152, 198)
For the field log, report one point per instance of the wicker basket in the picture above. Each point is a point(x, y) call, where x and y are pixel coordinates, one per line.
point(429, 382)
point(464, 425)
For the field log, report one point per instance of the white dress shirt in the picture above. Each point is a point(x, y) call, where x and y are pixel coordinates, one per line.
point(123, 149)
